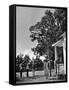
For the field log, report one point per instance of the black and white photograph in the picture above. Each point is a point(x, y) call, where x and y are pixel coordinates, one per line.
point(34, 44)
point(41, 44)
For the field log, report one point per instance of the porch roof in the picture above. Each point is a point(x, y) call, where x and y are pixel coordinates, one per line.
point(58, 43)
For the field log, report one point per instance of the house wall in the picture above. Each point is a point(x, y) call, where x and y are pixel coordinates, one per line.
point(62, 67)
point(64, 51)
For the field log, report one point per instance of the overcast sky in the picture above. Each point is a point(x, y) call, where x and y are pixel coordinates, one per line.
point(26, 17)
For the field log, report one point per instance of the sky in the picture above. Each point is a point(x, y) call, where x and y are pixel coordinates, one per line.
point(25, 18)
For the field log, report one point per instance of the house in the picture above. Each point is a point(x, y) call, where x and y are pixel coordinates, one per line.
point(60, 54)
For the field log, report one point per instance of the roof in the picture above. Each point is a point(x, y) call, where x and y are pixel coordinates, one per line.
point(60, 42)
point(63, 35)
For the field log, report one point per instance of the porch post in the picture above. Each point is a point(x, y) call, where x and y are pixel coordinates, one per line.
point(64, 54)
point(55, 53)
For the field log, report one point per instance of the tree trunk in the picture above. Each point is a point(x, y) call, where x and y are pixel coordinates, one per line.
point(56, 69)
point(50, 72)
point(33, 70)
point(49, 63)
point(27, 73)
point(20, 74)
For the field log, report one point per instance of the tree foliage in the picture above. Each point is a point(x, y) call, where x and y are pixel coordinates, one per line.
point(47, 31)
point(21, 62)
point(38, 64)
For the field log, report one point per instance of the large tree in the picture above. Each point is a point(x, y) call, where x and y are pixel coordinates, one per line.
point(47, 31)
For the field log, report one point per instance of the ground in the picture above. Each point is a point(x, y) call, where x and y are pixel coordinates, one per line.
point(39, 77)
